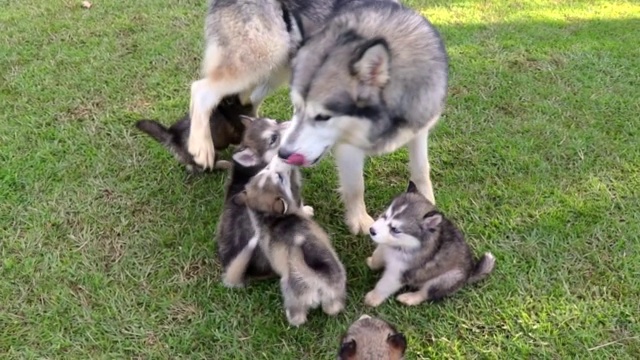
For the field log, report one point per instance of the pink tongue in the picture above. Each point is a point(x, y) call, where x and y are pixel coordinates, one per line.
point(296, 159)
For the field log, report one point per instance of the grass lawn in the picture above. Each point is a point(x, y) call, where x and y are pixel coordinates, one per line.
point(106, 243)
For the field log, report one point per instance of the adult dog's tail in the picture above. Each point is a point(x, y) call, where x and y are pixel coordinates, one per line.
point(483, 267)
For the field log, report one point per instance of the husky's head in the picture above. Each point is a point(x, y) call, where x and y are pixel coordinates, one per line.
point(260, 141)
point(337, 94)
point(272, 191)
point(408, 222)
point(372, 338)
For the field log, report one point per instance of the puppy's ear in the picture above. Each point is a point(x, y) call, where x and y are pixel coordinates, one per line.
point(431, 220)
point(412, 188)
point(240, 198)
point(370, 63)
point(398, 344)
point(246, 157)
point(280, 206)
point(347, 350)
point(246, 120)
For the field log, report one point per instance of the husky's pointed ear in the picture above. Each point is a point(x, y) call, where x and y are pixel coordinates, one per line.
point(431, 220)
point(240, 198)
point(398, 343)
point(412, 188)
point(347, 350)
point(246, 120)
point(370, 63)
point(246, 157)
point(280, 206)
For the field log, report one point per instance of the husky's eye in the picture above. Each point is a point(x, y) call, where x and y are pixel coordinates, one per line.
point(280, 178)
point(321, 117)
point(273, 139)
point(395, 230)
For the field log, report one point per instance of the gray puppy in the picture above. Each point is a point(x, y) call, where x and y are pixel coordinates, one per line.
point(235, 237)
point(420, 248)
point(298, 249)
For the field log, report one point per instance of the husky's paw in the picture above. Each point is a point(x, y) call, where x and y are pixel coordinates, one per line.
point(373, 265)
point(333, 308)
point(411, 298)
point(359, 223)
point(373, 299)
point(201, 148)
point(296, 319)
point(222, 165)
point(232, 283)
point(308, 210)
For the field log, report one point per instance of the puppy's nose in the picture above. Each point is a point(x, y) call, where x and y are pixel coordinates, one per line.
point(372, 231)
point(284, 153)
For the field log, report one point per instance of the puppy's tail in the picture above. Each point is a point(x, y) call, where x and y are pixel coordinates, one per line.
point(168, 139)
point(483, 267)
point(155, 130)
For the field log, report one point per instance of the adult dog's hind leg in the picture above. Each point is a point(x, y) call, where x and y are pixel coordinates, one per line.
point(350, 163)
point(419, 164)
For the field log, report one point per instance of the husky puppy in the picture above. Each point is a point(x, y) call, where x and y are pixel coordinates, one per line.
point(298, 249)
point(419, 247)
point(236, 238)
point(372, 338)
point(372, 80)
point(224, 124)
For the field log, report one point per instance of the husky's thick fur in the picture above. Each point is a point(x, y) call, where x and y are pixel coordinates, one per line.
point(420, 248)
point(225, 127)
point(372, 79)
point(298, 249)
point(372, 338)
point(249, 45)
point(236, 241)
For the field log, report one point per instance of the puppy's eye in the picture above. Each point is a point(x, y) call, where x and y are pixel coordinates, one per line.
point(280, 178)
point(395, 230)
point(273, 139)
point(321, 117)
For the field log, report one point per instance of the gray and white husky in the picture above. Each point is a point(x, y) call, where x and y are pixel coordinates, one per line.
point(237, 242)
point(420, 248)
point(298, 249)
point(372, 80)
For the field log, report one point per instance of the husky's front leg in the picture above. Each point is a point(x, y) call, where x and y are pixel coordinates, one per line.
point(350, 163)
point(204, 99)
point(419, 164)
point(388, 285)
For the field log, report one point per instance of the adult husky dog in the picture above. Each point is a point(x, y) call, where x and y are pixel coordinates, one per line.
point(249, 45)
point(373, 79)
point(369, 76)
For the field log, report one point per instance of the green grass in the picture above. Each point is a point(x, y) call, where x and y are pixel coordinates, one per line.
point(106, 243)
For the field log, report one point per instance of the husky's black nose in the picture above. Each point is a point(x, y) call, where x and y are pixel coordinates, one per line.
point(284, 153)
point(372, 231)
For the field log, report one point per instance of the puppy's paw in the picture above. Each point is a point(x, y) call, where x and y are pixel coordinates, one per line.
point(232, 283)
point(202, 150)
point(373, 265)
point(308, 210)
point(410, 298)
point(373, 299)
point(359, 223)
point(296, 319)
point(333, 308)
point(222, 165)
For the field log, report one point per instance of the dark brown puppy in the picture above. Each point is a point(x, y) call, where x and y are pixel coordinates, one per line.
point(224, 122)
point(372, 338)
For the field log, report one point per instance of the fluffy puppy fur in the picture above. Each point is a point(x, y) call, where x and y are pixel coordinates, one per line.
point(372, 338)
point(237, 241)
point(298, 249)
point(420, 248)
